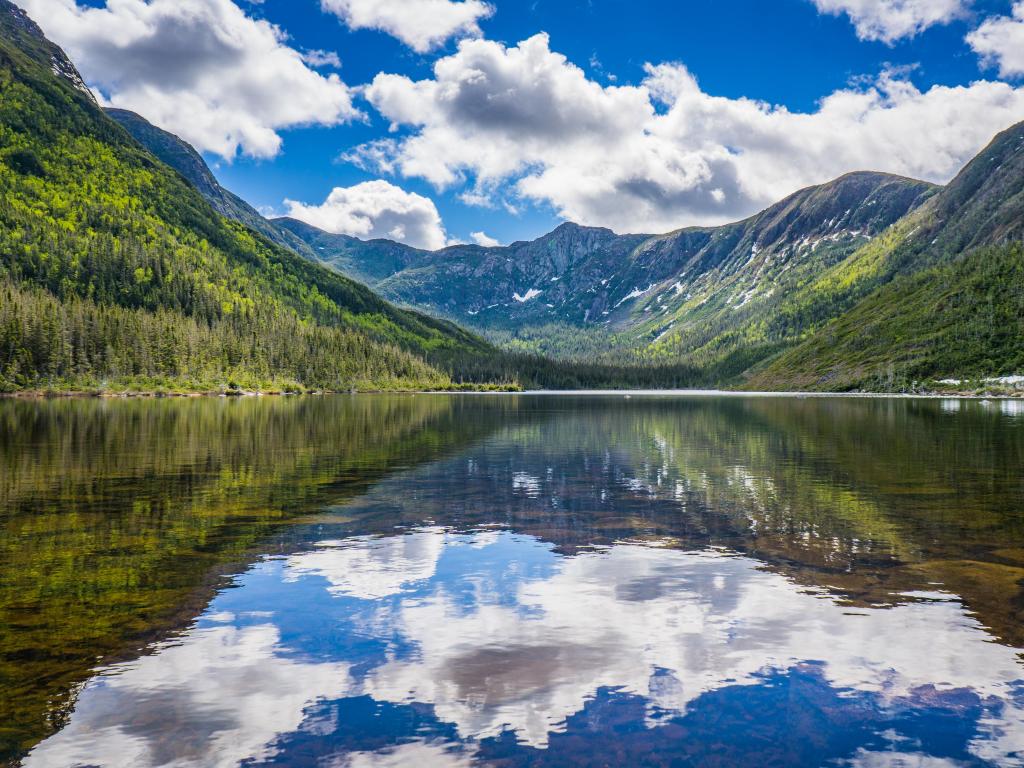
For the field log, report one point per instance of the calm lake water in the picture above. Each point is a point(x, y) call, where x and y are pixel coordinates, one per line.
point(512, 581)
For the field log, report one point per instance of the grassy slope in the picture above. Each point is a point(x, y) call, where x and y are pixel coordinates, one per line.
point(961, 320)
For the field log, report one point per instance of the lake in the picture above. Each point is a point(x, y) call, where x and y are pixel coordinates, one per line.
point(512, 580)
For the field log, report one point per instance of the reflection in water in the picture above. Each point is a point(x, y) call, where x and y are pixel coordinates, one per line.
point(505, 641)
point(217, 698)
point(554, 581)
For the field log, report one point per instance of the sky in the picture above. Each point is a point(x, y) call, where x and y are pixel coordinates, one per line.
point(434, 122)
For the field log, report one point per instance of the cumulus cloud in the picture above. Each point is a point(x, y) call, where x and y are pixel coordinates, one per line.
point(525, 122)
point(376, 209)
point(420, 24)
point(482, 238)
point(320, 58)
point(1000, 42)
point(892, 20)
point(203, 69)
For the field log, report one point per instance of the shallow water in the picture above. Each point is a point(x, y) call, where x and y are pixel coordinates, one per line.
point(512, 580)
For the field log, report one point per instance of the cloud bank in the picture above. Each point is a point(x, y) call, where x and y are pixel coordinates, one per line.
point(524, 122)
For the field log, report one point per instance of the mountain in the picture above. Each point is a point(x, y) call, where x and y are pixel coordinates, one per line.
point(584, 291)
point(367, 260)
point(720, 299)
point(779, 300)
point(941, 297)
point(114, 268)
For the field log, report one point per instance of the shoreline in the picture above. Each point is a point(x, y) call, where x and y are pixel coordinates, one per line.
point(242, 394)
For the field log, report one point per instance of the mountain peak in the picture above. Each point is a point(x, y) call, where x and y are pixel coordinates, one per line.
point(20, 26)
point(20, 19)
point(572, 229)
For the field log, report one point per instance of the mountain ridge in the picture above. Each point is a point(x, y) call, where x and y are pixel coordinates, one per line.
point(944, 298)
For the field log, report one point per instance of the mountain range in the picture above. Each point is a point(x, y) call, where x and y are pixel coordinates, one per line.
point(870, 281)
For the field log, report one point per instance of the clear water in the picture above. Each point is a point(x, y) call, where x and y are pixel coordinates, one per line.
point(512, 581)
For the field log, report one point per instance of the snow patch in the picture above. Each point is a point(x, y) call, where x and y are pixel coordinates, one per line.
point(533, 293)
point(635, 294)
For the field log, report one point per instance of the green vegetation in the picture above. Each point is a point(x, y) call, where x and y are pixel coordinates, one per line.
point(957, 320)
point(78, 344)
point(113, 269)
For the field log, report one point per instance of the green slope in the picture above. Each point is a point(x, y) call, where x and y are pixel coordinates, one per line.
point(723, 309)
point(939, 295)
point(961, 320)
point(114, 268)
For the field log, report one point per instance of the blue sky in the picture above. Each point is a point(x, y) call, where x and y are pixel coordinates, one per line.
point(713, 135)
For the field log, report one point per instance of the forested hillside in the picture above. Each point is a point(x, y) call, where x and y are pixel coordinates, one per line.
point(115, 271)
point(963, 319)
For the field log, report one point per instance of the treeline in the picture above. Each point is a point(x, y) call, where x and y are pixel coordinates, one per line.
point(529, 371)
point(46, 343)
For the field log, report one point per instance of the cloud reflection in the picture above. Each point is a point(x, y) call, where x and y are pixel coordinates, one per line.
point(218, 697)
point(668, 626)
point(522, 652)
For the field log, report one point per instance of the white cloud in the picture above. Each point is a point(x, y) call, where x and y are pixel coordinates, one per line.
point(376, 209)
point(482, 238)
point(1000, 42)
point(202, 69)
point(892, 20)
point(662, 154)
point(420, 24)
point(320, 58)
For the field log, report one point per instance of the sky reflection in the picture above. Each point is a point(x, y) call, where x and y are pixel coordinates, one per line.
point(435, 647)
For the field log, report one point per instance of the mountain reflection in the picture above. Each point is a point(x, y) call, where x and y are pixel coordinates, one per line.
point(547, 581)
